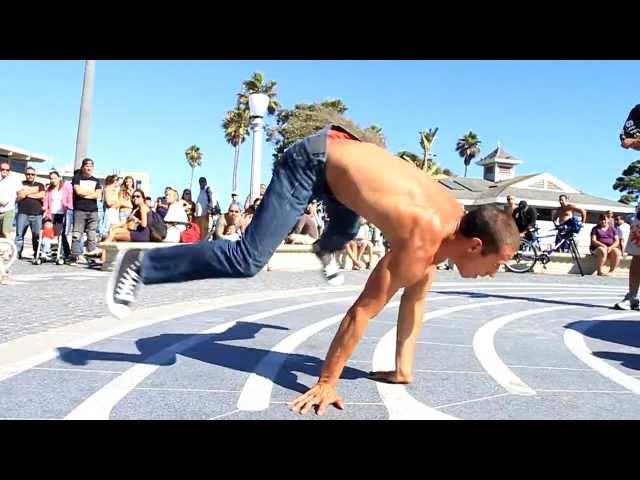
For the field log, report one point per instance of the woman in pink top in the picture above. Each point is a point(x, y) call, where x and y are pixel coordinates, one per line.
point(57, 200)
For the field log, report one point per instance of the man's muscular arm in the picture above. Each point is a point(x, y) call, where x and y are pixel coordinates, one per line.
point(410, 317)
point(397, 269)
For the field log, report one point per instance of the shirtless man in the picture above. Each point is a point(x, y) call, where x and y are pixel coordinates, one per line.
point(423, 222)
point(566, 211)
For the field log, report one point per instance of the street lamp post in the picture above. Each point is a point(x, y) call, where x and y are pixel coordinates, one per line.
point(85, 113)
point(258, 103)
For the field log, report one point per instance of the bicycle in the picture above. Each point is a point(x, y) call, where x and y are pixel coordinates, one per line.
point(8, 255)
point(530, 251)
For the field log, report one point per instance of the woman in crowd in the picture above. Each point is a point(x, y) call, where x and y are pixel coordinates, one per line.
point(57, 200)
point(111, 203)
point(136, 226)
point(176, 218)
point(186, 196)
point(124, 198)
point(604, 245)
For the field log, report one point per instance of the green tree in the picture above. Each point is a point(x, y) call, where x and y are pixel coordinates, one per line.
point(629, 183)
point(236, 131)
point(194, 159)
point(431, 168)
point(307, 118)
point(468, 147)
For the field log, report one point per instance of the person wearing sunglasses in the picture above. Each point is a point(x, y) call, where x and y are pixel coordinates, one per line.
point(10, 185)
point(136, 227)
point(30, 209)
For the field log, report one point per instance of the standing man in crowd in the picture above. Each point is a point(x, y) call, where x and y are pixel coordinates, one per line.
point(86, 192)
point(30, 207)
point(511, 204)
point(525, 216)
point(205, 204)
point(10, 185)
point(623, 231)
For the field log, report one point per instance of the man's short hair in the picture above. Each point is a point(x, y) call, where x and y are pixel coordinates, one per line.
point(563, 196)
point(29, 168)
point(2, 162)
point(201, 179)
point(87, 160)
point(493, 226)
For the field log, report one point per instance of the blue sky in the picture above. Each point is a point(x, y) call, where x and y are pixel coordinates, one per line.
point(562, 117)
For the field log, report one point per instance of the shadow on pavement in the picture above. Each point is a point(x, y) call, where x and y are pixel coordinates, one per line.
point(162, 350)
point(623, 332)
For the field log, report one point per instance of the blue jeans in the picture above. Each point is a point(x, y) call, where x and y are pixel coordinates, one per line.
point(24, 221)
point(297, 179)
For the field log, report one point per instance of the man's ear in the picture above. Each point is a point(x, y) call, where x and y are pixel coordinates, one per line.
point(474, 246)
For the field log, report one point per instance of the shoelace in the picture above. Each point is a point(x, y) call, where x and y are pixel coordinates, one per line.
point(127, 284)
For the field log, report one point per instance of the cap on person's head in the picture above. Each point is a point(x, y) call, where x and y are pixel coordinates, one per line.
point(202, 179)
point(234, 193)
point(522, 204)
point(86, 160)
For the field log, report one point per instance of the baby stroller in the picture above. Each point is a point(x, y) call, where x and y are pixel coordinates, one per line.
point(54, 256)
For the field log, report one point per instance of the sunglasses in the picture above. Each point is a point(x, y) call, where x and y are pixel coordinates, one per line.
point(4, 169)
point(29, 174)
point(136, 196)
point(234, 211)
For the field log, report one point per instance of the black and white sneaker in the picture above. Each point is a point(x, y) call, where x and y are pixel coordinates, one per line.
point(124, 283)
point(628, 303)
point(332, 273)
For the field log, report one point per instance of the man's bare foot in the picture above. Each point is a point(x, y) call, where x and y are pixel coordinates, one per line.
point(390, 377)
point(603, 274)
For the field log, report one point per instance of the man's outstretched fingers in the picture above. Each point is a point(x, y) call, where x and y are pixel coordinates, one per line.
point(339, 404)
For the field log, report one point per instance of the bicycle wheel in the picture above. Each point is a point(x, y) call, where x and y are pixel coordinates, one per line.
point(8, 254)
point(524, 259)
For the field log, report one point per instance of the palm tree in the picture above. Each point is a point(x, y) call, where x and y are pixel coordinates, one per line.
point(432, 168)
point(468, 147)
point(236, 131)
point(194, 159)
point(257, 84)
point(427, 138)
point(376, 131)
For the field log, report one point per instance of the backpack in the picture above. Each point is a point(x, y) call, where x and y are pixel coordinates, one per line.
point(157, 227)
point(191, 234)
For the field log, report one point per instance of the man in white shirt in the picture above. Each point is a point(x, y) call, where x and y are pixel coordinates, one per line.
point(204, 207)
point(10, 185)
point(623, 230)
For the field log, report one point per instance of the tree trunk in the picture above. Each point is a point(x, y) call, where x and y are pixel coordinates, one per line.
point(193, 169)
point(465, 170)
point(235, 169)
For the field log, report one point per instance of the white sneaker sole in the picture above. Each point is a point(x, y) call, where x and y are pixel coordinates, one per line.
point(118, 310)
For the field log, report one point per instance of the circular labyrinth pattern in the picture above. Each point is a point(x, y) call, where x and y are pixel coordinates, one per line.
point(497, 351)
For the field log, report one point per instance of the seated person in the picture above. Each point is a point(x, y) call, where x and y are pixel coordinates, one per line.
point(162, 203)
point(231, 232)
point(364, 244)
point(232, 217)
point(306, 230)
point(247, 216)
point(48, 234)
point(604, 245)
point(175, 218)
point(136, 227)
